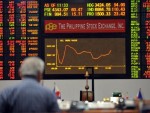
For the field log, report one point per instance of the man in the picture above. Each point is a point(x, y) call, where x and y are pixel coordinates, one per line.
point(29, 96)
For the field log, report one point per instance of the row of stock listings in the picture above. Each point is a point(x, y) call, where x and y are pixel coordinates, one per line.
point(19, 24)
point(19, 30)
point(140, 42)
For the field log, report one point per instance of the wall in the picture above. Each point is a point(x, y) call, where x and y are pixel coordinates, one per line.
point(70, 89)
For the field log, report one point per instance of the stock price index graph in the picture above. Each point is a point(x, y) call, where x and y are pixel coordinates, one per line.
point(72, 56)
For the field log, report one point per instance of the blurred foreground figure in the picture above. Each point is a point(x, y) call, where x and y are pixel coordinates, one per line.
point(29, 96)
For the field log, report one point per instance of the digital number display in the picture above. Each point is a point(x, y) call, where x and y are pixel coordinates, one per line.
point(19, 37)
point(84, 9)
point(110, 36)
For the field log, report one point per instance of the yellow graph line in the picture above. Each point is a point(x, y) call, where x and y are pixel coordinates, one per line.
point(79, 53)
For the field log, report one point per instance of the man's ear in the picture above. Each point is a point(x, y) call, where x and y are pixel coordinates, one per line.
point(39, 77)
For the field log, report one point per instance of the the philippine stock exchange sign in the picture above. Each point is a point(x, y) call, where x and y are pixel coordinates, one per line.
point(84, 26)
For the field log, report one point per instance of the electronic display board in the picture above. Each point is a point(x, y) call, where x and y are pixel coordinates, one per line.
point(110, 37)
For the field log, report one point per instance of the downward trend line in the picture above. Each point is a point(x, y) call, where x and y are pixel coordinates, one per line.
point(79, 53)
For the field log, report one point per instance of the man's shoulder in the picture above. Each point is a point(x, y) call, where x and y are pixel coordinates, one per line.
point(47, 90)
point(50, 93)
point(7, 91)
point(11, 89)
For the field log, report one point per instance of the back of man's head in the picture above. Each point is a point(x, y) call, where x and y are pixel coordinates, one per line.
point(31, 66)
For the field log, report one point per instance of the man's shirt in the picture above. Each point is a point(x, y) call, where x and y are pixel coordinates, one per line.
point(28, 96)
